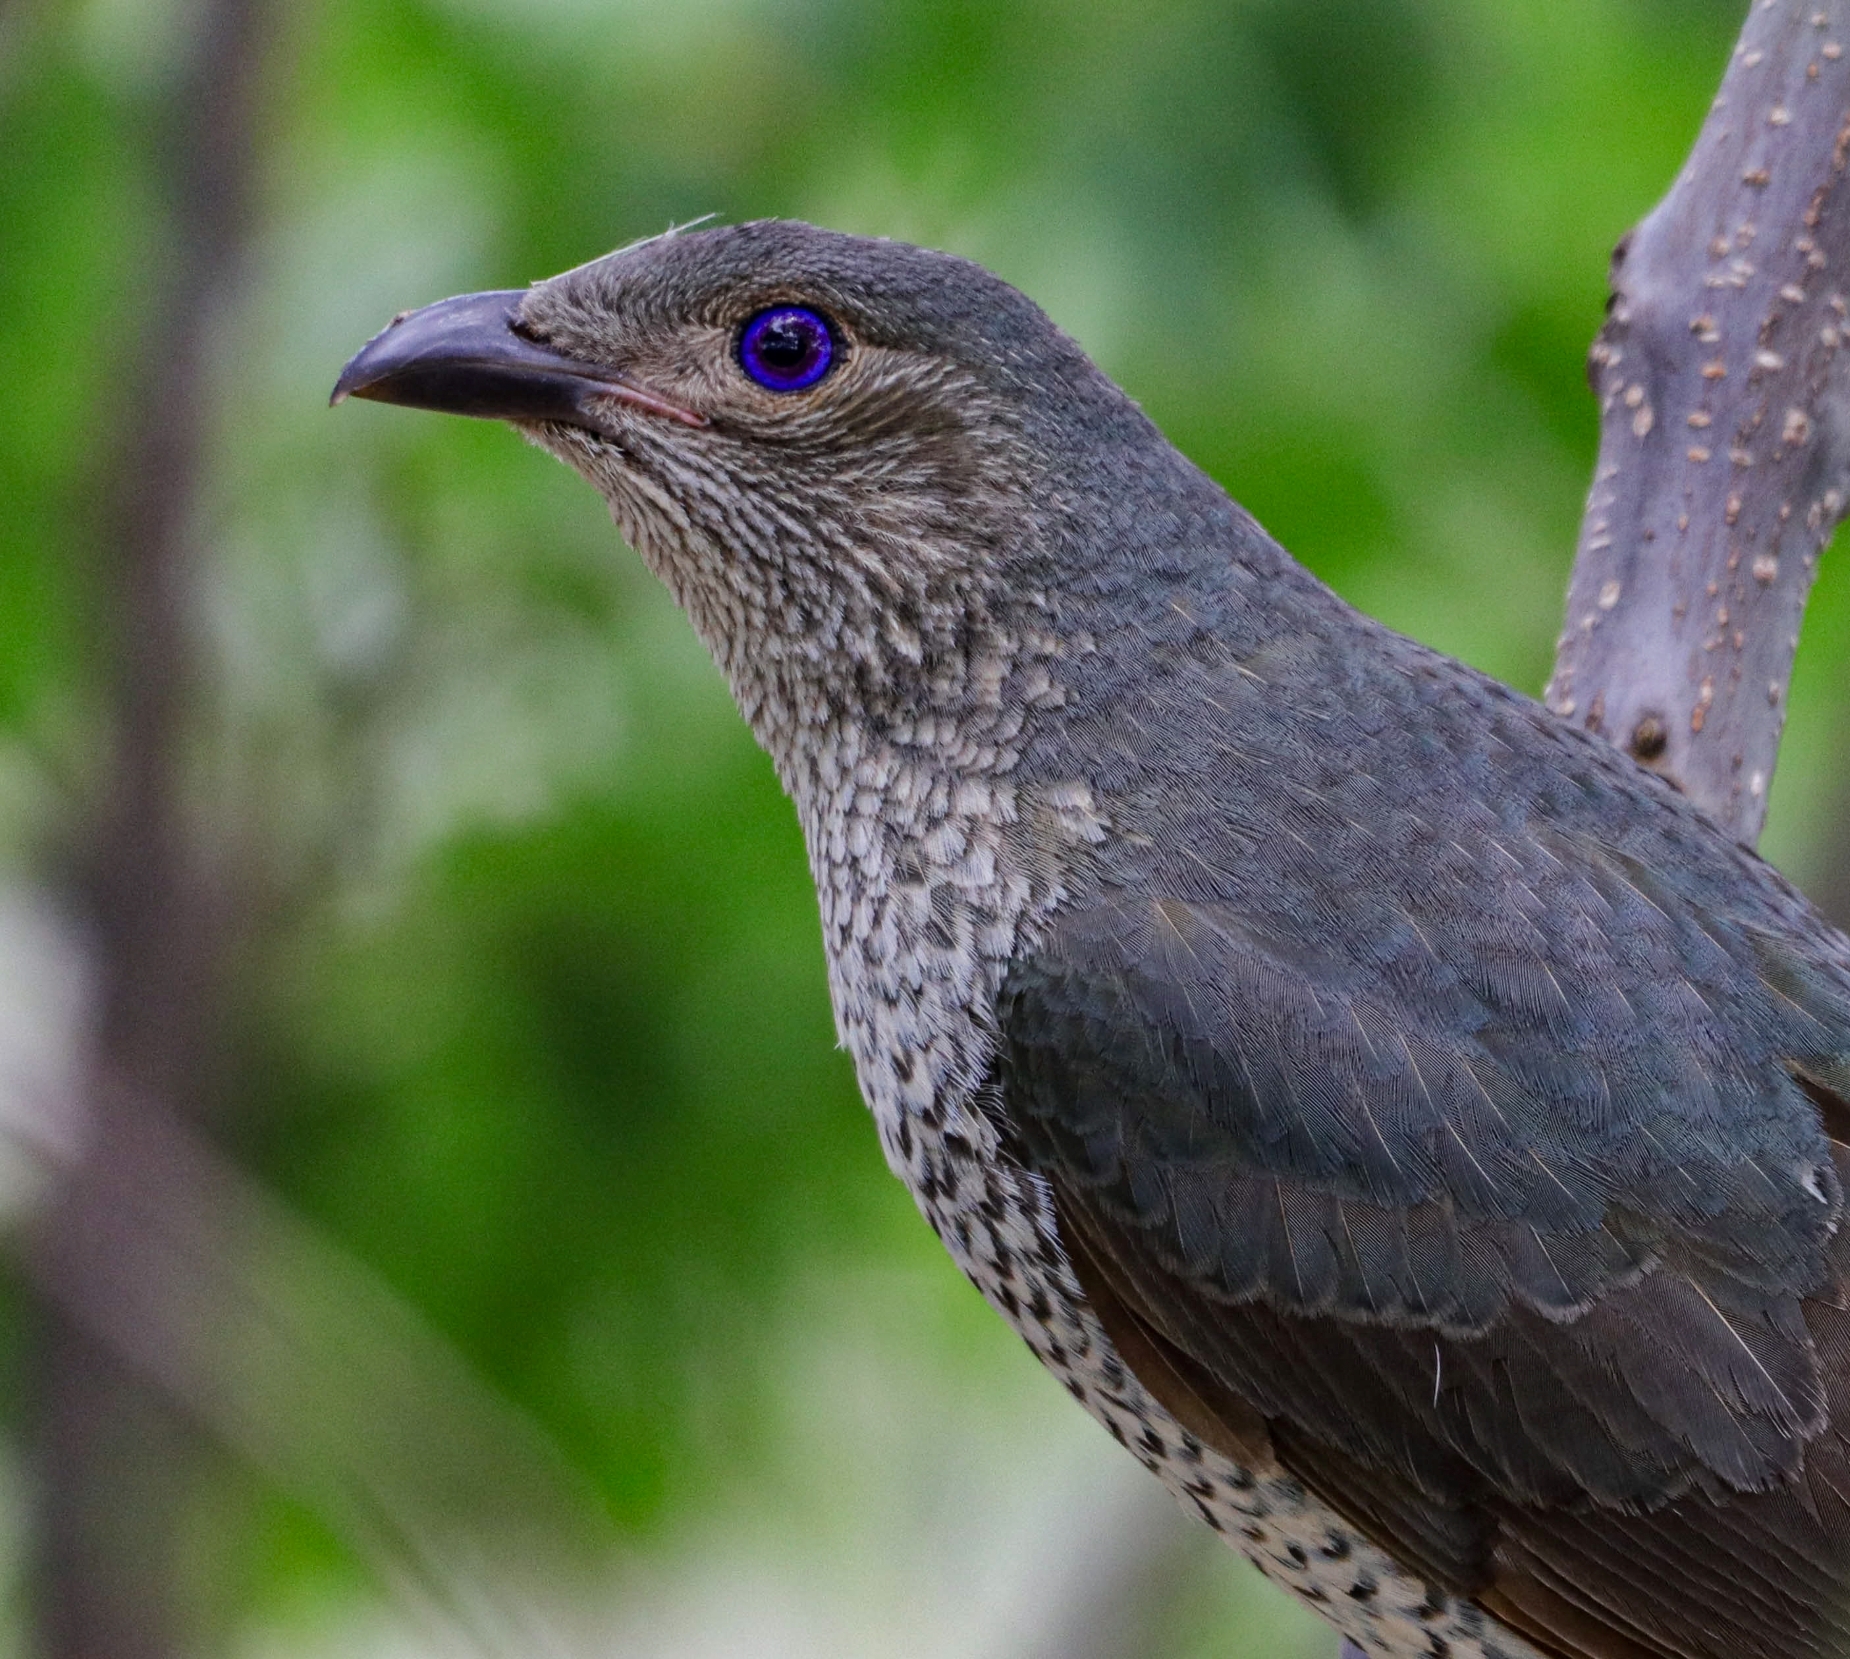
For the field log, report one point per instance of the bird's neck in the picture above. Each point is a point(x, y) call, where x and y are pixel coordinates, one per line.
point(920, 706)
point(900, 737)
point(925, 891)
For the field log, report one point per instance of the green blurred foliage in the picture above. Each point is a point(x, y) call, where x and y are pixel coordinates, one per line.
point(536, 1024)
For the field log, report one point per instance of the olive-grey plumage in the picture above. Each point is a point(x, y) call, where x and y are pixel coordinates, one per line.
point(1408, 1125)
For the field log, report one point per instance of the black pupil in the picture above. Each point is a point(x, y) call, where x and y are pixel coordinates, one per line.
point(787, 342)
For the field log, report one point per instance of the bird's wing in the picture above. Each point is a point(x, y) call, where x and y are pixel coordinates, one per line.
point(1534, 1279)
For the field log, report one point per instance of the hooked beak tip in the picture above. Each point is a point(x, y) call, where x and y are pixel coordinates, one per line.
point(463, 356)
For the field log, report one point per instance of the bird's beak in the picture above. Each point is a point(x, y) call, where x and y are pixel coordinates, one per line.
point(463, 357)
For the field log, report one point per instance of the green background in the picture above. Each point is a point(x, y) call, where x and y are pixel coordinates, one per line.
point(530, 1048)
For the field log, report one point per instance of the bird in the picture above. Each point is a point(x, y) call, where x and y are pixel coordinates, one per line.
point(1415, 1131)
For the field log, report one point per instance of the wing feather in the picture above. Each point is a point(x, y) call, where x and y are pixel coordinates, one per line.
point(1548, 1302)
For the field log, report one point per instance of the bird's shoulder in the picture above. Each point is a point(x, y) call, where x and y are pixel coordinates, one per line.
point(1411, 1069)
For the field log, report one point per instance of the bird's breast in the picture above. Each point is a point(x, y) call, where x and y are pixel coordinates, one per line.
point(930, 882)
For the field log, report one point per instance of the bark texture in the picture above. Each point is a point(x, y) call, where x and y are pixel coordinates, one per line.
point(1724, 458)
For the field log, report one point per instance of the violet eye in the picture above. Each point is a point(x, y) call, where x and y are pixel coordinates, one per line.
point(788, 348)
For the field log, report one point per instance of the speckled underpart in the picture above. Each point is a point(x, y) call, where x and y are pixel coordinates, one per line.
point(924, 902)
point(912, 1012)
point(1001, 1230)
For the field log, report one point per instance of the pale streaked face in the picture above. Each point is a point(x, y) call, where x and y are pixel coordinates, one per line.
point(840, 454)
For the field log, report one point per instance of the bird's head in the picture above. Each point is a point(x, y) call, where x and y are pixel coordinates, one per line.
point(836, 451)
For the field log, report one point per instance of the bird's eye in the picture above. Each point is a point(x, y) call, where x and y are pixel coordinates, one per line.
point(788, 348)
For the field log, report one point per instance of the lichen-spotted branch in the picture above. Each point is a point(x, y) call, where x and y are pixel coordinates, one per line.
point(1724, 458)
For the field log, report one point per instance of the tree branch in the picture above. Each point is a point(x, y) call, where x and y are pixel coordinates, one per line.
point(1724, 459)
point(112, 1462)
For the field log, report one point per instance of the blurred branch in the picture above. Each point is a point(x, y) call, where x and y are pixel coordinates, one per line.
point(177, 1295)
point(1724, 459)
point(111, 1465)
point(299, 1360)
